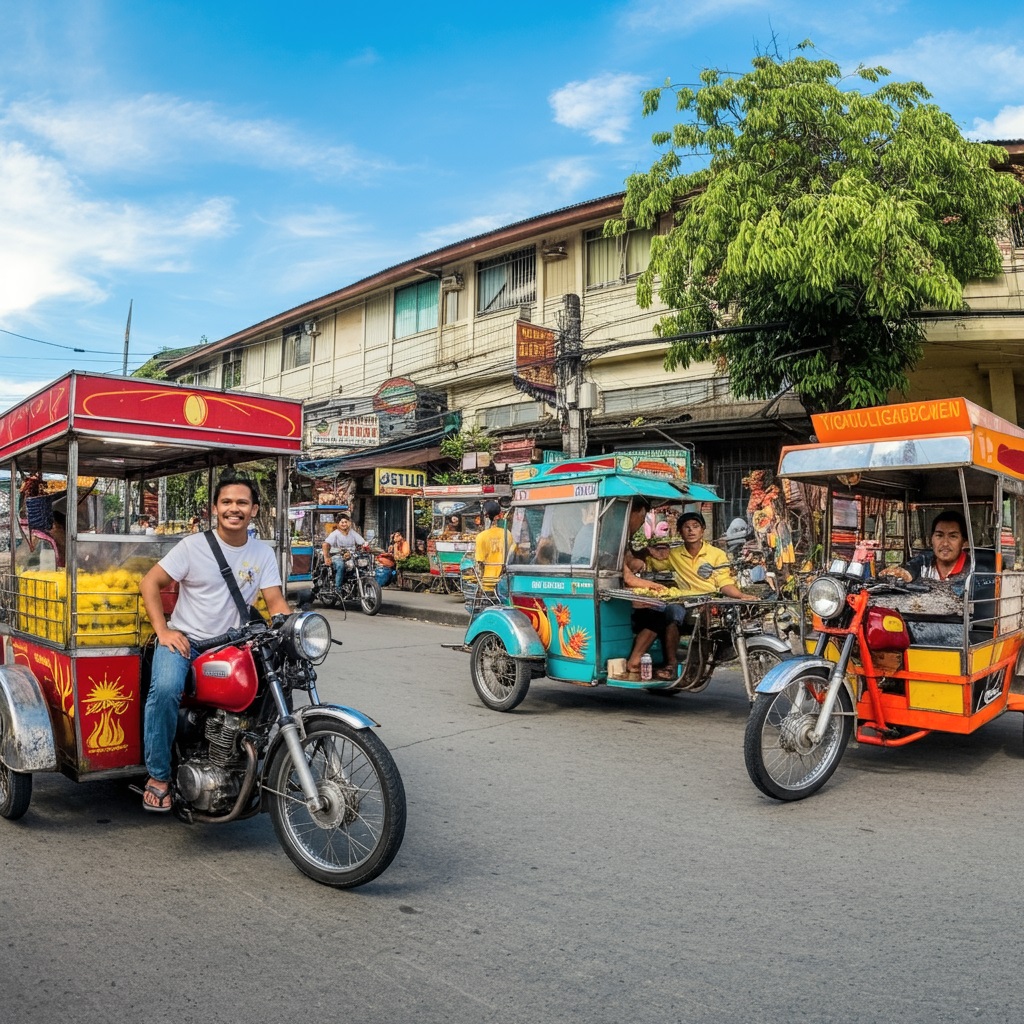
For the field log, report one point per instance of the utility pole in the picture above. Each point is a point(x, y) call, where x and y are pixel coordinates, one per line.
point(570, 378)
point(127, 332)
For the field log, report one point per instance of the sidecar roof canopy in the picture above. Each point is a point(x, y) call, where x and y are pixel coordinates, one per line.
point(124, 424)
point(908, 442)
point(618, 475)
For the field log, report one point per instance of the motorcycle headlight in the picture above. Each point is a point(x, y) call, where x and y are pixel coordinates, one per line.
point(826, 597)
point(307, 635)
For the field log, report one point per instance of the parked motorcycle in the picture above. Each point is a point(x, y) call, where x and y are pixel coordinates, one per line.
point(360, 583)
point(332, 788)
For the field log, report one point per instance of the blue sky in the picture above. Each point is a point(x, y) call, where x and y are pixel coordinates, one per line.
point(217, 163)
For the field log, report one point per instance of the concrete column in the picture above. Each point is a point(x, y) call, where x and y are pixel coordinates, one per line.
point(1002, 390)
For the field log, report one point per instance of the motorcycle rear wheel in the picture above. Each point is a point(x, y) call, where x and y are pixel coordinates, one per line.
point(15, 793)
point(372, 597)
point(356, 836)
point(780, 761)
point(500, 680)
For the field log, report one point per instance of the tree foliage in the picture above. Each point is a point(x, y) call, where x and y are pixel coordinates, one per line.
point(835, 211)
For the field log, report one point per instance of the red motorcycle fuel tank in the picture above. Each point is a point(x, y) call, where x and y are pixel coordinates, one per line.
point(226, 678)
point(886, 630)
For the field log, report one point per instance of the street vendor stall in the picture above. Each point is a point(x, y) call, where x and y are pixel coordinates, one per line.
point(457, 517)
point(71, 618)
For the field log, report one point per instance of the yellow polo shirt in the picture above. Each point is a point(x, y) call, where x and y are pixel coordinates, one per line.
point(492, 549)
point(684, 567)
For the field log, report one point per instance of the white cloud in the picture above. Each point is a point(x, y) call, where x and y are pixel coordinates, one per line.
point(1007, 124)
point(954, 64)
point(13, 390)
point(602, 107)
point(445, 234)
point(571, 175)
point(54, 242)
point(673, 16)
point(155, 130)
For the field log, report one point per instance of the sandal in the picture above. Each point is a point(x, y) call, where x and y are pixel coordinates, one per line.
point(668, 674)
point(161, 795)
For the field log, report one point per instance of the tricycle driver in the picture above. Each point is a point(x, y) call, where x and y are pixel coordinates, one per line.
point(205, 608)
point(698, 568)
point(947, 560)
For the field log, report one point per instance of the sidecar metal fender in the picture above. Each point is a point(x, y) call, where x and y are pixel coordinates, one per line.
point(512, 627)
point(26, 733)
point(779, 677)
point(775, 643)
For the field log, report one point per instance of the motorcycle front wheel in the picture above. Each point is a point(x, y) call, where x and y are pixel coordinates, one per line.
point(358, 831)
point(371, 597)
point(781, 759)
point(15, 793)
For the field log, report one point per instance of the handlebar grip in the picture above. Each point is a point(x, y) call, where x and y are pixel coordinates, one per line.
point(219, 641)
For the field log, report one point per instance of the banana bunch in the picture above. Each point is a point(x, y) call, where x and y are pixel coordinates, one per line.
point(665, 594)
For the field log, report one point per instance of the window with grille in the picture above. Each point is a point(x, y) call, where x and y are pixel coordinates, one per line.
point(511, 415)
point(231, 372)
point(1017, 226)
point(662, 396)
point(297, 349)
point(416, 308)
point(202, 378)
point(506, 281)
point(616, 259)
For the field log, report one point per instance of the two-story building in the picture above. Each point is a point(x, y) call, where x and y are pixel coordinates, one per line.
point(390, 364)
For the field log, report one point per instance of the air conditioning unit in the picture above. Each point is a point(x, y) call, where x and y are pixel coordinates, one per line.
point(451, 282)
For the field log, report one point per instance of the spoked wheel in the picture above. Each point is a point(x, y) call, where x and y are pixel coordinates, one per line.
point(500, 680)
point(358, 831)
point(781, 759)
point(15, 792)
point(761, 659)
point(371, 598)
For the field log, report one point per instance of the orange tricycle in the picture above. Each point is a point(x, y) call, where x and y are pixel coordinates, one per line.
point(918, 610)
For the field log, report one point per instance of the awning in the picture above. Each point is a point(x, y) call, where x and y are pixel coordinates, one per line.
point(413, 458)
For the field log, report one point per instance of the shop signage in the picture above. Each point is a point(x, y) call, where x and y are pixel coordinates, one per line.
point(357, 432)
point(397, 396)
point(399, 481)
point(535, 355)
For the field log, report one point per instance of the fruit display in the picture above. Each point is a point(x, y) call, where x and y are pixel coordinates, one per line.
point(663, 594)
point(108, 610)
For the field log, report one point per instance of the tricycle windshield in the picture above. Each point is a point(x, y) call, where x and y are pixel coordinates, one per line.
point(564, 533)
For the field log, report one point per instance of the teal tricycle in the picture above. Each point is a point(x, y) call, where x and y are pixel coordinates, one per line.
point(568, 614)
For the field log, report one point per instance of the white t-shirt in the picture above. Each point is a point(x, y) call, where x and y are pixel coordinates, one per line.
point(338, 541)
point(205, 607)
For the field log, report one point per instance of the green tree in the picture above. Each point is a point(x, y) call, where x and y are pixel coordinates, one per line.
point(836, 212)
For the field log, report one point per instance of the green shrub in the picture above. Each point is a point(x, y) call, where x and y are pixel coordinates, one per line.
point(414, 563)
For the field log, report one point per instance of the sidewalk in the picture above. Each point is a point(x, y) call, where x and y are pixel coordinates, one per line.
point(444, 609)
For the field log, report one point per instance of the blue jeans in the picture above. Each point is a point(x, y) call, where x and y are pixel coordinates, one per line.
point(339, 570)
point(166, 686)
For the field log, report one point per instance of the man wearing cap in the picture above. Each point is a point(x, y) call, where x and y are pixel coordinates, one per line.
point(491, 547)
point(699, 567)
point(339, 545)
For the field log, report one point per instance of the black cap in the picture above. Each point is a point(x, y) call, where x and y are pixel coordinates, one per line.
point(686, 516)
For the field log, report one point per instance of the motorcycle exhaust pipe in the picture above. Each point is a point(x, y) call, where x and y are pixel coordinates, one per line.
point(244, 791)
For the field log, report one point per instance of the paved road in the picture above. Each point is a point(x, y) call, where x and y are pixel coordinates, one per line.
point(595, 856)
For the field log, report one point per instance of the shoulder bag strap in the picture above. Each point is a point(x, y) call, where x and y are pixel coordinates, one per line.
point(229, 576)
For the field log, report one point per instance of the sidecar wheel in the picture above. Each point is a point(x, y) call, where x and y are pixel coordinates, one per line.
point(500, 680)
point(761, 659)
point(373, 597)
point(780, 761)
point(15, 793)
point(356, 835)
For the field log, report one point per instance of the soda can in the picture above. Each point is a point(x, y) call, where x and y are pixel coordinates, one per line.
point(646, 668)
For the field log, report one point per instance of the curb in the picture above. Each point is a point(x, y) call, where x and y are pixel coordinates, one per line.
point(439, 616)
